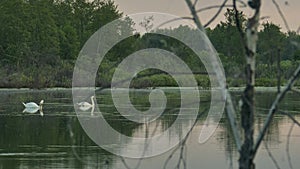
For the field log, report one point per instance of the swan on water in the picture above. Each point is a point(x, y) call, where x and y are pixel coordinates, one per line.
point(32, 107)
point(84, 106)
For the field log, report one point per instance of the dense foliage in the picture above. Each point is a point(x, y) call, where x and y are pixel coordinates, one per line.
point(40, 41)
point(273, 46)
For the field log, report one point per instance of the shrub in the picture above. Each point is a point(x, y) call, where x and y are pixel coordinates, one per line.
point(266, 82)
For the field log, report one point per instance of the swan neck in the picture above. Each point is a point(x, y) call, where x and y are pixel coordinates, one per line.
point(93, 103)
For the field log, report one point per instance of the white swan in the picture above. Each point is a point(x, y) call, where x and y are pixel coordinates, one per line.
point(32, 107)
point(84, 106)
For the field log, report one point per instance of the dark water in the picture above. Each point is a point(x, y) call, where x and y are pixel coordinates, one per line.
point(56, 140)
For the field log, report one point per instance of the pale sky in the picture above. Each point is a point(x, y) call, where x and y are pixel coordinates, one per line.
point(290, 8)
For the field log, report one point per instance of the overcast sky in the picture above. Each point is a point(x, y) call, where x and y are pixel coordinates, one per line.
point(290, 8)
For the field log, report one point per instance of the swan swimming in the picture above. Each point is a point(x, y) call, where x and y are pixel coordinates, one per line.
point(84, 106)
point(32, 107)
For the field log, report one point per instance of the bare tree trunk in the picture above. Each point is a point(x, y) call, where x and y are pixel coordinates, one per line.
point(247, 152)
point(247, 112)
point(194, 14)
point(247, 115)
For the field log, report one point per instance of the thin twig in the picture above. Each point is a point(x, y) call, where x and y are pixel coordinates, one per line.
point(288, 146)
point(219, 6)
point(281, 15)
point(183, 142)
point(173, 20)
point(195, 16)
point(271, 155)
point(216, 15)
point(212, 7)
point(268, 151)
point(124, 162)
point(295, 90)
point(291, 117)
point(146, 145)
point(238, 26)
point(242, 3)
point(181, 157)
point(264, 17)
point(273, 108)
point(195, 3)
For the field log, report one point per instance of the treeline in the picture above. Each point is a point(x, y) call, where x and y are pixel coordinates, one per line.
point(41, 39)
point(273, 45)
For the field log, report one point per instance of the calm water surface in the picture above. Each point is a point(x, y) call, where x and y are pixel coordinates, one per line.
point(33, 141)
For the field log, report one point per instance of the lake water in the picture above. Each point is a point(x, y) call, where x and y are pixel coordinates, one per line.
point(57, 140)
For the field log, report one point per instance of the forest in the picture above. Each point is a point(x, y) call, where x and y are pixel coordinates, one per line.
point(41, 39)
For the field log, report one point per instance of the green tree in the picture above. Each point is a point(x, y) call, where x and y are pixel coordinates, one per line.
point(14, 35)
point(270, 42)
point(103, 13)
point(82, 17)
point(225, 36)
point(291, 46)
point(44, 42)
point(41, 35)
point(69, 43)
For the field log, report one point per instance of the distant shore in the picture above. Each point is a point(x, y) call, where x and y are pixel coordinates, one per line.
point(233, 89)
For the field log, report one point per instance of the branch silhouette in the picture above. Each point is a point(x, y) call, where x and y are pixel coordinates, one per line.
point(274, 107)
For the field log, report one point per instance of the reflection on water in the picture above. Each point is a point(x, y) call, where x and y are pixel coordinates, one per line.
point(57, 140)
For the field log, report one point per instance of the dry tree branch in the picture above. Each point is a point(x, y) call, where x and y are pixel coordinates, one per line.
point(238, 25)
point(195, 3)
point(123, 160)
point(181, 157)
point(243, 4)
point(288, 146)
point(273, 108)
point(291, 117)
point(143, 154)
point(146, 142)
point(216, 15)
point(229, 108)
point(295, 90)
point(195, 16)
point(202, 10)
point(212, 7)
point(269, 152)
point(264, 17)
point(173, 20)
point(124, 163)
point(218, 12)
point(271, 155)
point(281, 15)
point(182, 145)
